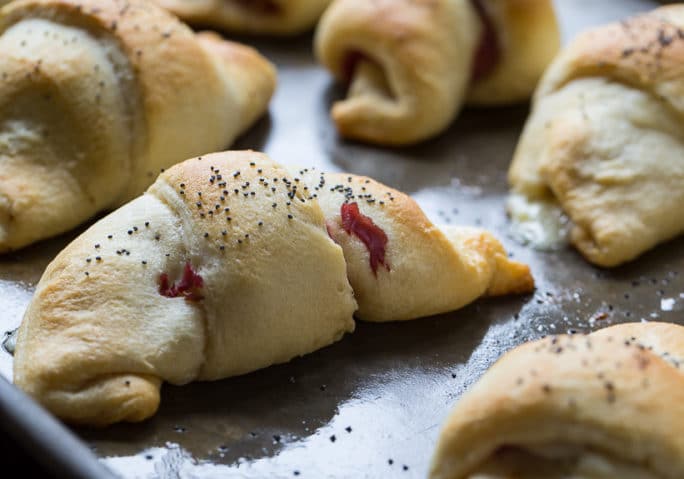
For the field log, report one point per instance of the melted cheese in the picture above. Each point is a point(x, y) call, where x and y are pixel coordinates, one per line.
point(539, 223)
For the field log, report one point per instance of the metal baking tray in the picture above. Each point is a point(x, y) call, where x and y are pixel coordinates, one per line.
point(372, 404)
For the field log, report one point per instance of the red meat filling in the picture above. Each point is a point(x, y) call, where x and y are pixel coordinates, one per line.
point(488, 53)
point(370, 234)
point(188, 287)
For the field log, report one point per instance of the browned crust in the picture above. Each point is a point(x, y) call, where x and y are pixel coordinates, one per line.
point(644, 51)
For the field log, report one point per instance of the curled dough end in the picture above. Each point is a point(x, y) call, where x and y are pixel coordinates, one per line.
point(106, 400)
point(249, 74)
point(505, 276)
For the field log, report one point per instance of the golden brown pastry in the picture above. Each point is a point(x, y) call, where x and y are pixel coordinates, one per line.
point(600, 406)
point(603, 141)
point(402, 266)
point(271, 17)
point(96, 96)
point(207, 275)
point(412, 64)
point(226, 265)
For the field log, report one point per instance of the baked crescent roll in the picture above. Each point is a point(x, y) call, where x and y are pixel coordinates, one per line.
point(226, 265)
point(207, 275)
point(411, 65)
point(96, 96)
point(400, 265)
point(272, 17)
point(606, 405)
point(603, 141)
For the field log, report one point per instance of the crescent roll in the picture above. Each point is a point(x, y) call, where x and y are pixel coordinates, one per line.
point(271, 17)
point(412, 64)
point(400, 265)
point(606, 405)
point(224, 266)
point(603, 141)
point(96, 96)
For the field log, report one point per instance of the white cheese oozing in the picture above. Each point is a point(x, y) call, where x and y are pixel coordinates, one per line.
point(538, 222)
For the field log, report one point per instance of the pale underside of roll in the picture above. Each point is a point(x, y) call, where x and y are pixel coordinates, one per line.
point(598, 406)
point(228, 264)
point(262, 17)
point(604, 143)
point(411, 65)
point(96, 96)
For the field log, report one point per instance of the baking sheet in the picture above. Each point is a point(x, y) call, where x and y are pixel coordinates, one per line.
point(372, 404)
